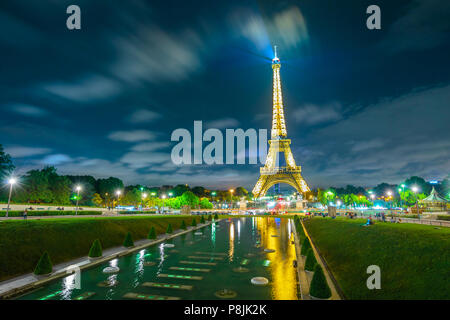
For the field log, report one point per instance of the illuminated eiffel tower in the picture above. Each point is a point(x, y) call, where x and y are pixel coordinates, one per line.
point(272, 173)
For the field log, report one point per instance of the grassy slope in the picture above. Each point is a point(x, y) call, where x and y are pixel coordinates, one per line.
point(23, 242)
point(414, 259)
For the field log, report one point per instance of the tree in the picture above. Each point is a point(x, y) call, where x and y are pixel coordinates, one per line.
point(189, 199)
point(205, 204)
point(169, 229)
point(305, 246)
point(419, 182)
point(241, 192)
point(44, 265)
point(128, 242)
point(36, 187)
point(180, 189)
point(132, 197)
point(96, 249)
point(319, 287)
point(310, 261)
point(109, 186)
point(152, 233)
point(97, 200)
point(6, 165)
point(88, 184)
point(199, 191)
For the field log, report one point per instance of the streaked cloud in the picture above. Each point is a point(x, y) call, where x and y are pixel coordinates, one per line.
point(222, 123)
point(143, 116)
point(132, 136)
point(311, 114)
point(24, 152)
point(27, 110)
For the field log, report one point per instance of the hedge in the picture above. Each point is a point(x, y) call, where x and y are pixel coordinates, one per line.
point(446, 218)
point(22, 242)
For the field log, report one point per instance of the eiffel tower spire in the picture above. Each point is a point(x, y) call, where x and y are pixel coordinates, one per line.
point(272, 173)
point(278, 123)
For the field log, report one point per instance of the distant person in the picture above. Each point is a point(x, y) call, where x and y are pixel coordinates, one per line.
point(383, 217)
point(25, 214)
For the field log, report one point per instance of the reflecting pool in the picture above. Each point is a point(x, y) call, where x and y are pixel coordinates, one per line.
point(199, 265)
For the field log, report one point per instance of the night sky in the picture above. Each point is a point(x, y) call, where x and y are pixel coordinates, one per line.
point(362, 106)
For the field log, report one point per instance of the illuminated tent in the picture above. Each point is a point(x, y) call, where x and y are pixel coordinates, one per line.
point(434, 202)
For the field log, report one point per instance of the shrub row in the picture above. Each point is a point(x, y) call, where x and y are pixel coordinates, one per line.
point(49, 213)
point(446, 218)
point(319, 287)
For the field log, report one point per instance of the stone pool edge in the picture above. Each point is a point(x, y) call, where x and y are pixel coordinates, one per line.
point(28, 282)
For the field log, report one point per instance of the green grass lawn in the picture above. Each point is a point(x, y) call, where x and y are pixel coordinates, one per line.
point(414, 259)
point(23, 242)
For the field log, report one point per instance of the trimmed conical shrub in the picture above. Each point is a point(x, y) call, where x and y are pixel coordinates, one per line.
point(311, 261)
point(128, 242)
point(44, 265)
point(169, 228)
point(202, 219)
point(96, 249)
point(194, 222)
point(209, 217)
point(152, 233)
point(319, 287)
point(216, 216)
point(183, 225)
point(305, 246)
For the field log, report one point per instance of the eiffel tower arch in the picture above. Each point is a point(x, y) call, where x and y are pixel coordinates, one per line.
point(272, 173)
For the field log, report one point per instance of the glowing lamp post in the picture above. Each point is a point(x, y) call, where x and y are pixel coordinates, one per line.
point(389, 195)
point(11, 182)
point(78, 189)
point(213, 194)
point(144, 195)
point(118, 193)
point(415, 189)
point(163, 202)
point(231, 198)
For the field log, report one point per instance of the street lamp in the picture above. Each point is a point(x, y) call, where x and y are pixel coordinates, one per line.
point(11, 182)
point(118, 193)
point(170, 194)
point(415, 189)
point(163, 202)
point(213, 194)
point(78, 189)
point(144, 195)
point(389, 194)
point(231, 198)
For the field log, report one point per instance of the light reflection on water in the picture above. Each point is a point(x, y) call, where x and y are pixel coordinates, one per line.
point(284, 282)
point(231, 250)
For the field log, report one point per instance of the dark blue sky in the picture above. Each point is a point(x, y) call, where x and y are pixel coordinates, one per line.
point(362, 106)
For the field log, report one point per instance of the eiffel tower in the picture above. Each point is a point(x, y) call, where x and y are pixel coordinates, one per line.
point(272, 173)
